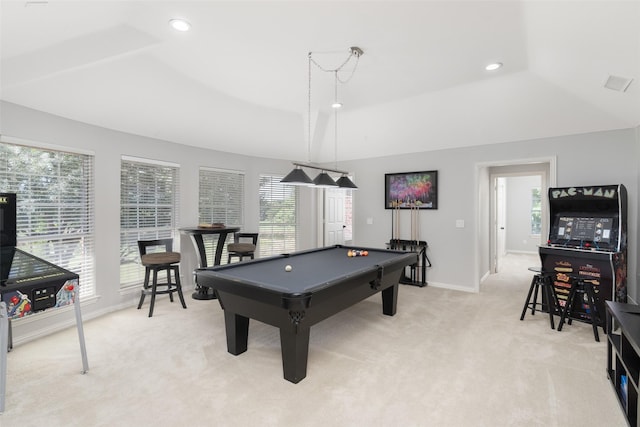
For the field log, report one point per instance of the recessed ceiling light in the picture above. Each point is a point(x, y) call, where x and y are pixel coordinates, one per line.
point(336, 105)
point(180, 24)
point(494, 66)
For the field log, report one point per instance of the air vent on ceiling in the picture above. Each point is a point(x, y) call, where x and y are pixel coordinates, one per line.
point(618, 83)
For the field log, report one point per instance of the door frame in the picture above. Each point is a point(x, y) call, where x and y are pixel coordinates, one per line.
point(483, 239)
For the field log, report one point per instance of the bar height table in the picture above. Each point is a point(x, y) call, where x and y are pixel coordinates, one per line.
point(196, 234)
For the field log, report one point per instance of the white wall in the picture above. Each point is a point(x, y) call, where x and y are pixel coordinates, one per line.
point(633, 293)
point(459, 255)
point(518, 222)
point(596, 158)
point(108, 146)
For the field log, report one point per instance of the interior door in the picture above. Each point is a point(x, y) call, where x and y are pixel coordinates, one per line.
point(501, 213)
point(334, 214)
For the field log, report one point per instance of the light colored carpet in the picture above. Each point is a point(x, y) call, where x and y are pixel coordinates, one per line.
point(446, 359)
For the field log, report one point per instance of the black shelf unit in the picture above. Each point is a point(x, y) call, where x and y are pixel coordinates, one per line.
point(623, 356)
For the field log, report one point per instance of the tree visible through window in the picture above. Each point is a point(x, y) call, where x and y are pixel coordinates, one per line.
point(536, 211)
point(55, 206)
point(148, 210)
point(278, 216)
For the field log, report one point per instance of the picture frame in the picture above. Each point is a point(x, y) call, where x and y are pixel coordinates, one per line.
point(411, 190)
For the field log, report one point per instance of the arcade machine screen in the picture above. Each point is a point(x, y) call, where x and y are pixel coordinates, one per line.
point(600, 230)
point(576, 230)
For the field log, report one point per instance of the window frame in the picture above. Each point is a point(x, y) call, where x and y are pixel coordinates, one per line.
point(140, 207)
point(536, 200)
point(49, 244)
point(267, 230)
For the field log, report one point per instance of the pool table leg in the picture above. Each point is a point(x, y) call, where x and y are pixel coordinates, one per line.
point(237, 328)
point(390, 300)
point(294, 343)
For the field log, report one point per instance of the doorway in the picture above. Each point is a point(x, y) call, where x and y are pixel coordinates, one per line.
point(518, 218)
point(494, 205)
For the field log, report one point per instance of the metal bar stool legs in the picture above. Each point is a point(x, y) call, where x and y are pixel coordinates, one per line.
point(581, 287)
point(527, 303)
point(172, 286)
point(548, 294)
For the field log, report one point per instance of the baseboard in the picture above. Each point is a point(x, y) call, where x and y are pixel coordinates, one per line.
point(485, 276)
point(451, 287)
point(522, 252)
point(58, 320)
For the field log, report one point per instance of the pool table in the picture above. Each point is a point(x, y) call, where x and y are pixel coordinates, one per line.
point(321, 283)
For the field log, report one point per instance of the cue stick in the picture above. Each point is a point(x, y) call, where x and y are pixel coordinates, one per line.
point(397, 219)
point(392, 222)
point(418, 269)
point(396, 230)
point(411, 221)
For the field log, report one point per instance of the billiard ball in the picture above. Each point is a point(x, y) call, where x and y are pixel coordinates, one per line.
point(288, 268)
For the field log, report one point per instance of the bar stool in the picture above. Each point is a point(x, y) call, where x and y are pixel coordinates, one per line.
point(548, 296)
point(159, 261)
point(582, 289)
point(240, 249)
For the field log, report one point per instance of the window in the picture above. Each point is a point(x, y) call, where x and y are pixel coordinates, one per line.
point(221, 199)
point(55, 206)
point(278, 216)
point(536, 211)
point(148, 210)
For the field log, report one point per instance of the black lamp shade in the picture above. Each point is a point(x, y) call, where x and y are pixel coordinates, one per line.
point(324, 180)
point(297, 177)
point(345, 182)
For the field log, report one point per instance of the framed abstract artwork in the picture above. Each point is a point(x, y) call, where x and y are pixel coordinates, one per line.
point(411, 190)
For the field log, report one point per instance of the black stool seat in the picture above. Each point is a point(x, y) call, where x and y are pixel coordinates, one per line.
point(160, 258)
point(241, 249)
point(549, 298)
point(160, 261)
point(582, 290)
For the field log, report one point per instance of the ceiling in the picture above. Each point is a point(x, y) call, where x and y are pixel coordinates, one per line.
point(238, 81)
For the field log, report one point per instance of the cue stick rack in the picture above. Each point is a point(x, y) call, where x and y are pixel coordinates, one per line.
point(418, 272)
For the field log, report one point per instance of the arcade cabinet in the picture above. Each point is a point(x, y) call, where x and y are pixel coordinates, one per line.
point(587, 242)
point(29, 284)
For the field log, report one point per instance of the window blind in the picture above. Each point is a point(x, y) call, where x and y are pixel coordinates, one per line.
point(536, 211)
point(149, 197)
point(220, 199)
point(278, 216)
point(55, 206)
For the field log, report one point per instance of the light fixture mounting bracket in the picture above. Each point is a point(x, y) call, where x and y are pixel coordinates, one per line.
point(356, 51)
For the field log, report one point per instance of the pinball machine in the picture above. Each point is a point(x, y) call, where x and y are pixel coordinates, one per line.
point(29, 284)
